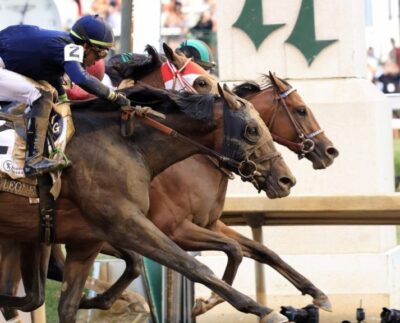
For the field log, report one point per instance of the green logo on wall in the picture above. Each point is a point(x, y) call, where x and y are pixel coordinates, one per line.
point(302, 37)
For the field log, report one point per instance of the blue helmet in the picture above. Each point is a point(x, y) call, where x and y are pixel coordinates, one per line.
point(93, 30)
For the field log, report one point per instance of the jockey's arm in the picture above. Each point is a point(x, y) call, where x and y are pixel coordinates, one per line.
point(88, 82)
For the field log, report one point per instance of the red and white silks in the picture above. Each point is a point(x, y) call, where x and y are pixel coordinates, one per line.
point(182, 79)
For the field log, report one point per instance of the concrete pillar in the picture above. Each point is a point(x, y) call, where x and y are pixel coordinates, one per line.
point(319, 46)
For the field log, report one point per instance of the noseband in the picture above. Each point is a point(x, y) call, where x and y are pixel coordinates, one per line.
point(306, 144)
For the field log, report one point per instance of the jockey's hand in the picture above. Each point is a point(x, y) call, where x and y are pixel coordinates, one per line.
point(122, 100)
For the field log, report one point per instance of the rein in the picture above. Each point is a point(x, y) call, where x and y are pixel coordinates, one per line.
point(247, 169)
point(306, 144)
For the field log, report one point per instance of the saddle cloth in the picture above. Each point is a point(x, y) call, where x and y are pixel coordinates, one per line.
point(13, 146)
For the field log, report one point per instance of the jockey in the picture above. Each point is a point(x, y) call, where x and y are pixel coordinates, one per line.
point(41, 54)
point(199, 51)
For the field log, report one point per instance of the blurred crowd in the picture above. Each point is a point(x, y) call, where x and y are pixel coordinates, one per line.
point(385, 73)
point(189, 19)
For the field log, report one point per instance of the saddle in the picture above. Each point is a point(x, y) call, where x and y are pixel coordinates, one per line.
point(13, 122)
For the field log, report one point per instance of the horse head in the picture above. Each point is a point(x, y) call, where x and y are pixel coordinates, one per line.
point(226, 124)
point(174, 72)
point(248, 141)
point(191, 74)
point(290, 120)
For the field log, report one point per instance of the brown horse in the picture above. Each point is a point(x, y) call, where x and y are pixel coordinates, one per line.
point(147, 69)
point(191, 219)
point(297, 129)
point(110, 193)
point(269, 104)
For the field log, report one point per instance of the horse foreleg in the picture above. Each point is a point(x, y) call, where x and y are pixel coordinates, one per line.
point(107, 293)
point(191, 237)
point(262, 254)
point(10, 275)
point(78, 263)
point(141, 235)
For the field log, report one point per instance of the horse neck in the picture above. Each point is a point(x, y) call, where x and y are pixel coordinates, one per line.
point(148, 146)
point(265, 103)
point(161, 151)
point(154, 79)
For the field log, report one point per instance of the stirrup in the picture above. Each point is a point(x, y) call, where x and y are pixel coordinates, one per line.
point(43, 166)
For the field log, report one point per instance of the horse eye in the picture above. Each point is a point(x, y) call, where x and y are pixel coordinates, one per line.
point(251, 134)
point(202, 83)
point(301, 111)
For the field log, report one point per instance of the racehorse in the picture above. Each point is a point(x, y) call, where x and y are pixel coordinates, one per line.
point(192, 220)
point(109, 195)
point(294, 125)
point(147, 69)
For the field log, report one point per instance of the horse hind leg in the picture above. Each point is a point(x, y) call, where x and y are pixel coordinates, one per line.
point(78, 263)
point(108, 294)
point(262, 254)
point(33, 265)
point(10, 276)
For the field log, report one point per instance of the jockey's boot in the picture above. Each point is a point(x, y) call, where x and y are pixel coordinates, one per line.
point(35, 163)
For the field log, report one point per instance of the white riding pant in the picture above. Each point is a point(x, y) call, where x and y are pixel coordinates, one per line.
point(15, 87)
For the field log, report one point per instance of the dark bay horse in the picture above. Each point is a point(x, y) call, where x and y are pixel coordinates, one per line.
point(175, 216)
point(294, 126)
point(191, 219)
point(107, 189)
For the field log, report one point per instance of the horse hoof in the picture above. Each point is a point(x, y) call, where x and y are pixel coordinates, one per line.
point(198, 307)
point(274, 317)
point(323, 303)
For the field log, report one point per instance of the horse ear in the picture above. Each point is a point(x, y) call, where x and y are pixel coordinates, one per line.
point(168, 51)
point(229, 96)
point(273, 80)
point(276, 82)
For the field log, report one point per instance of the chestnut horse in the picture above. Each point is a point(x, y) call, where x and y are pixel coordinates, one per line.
point(105, 194)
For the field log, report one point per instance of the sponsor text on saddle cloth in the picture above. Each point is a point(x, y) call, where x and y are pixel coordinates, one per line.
point(13, 146)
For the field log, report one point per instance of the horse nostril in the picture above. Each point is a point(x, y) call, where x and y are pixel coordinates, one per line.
point(332, 152)
point(287, 181)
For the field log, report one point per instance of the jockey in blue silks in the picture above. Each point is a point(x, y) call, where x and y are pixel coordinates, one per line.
point(42, 54)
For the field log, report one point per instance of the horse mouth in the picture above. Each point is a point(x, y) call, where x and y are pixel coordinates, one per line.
point(322, 156)
point(319, 162)
point(272, 188)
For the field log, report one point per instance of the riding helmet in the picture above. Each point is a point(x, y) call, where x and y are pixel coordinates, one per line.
point(199, 51)
point(94, 30)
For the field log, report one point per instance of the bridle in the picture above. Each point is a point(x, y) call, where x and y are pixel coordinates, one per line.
point(178, 76)
point(246, 168)
point(306, 144)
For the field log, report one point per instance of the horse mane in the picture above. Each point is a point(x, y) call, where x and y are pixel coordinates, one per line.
point(199, 107)
point(246, 88)
point(252, 87)
point(139, 65)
